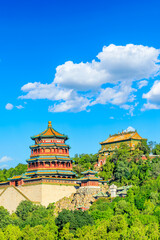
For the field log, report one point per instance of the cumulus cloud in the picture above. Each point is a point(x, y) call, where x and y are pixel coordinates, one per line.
point(82, 76)
point(154, 94)
point(117, 95)
point(116, 63)
point(153, 97)
point(76, 104)
point(5, 159)
point(142, 83)
point(9, 106)
point(45, 91)
point(149, 106)
point(107, 79)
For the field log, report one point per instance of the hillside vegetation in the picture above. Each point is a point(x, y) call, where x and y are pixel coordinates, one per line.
point(135, 217)
point(7, 173)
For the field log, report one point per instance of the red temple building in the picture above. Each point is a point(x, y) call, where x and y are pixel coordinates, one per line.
point(49, 160)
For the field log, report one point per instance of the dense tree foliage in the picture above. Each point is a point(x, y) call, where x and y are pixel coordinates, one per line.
point(83, 162)
point(18, 170)
point(76, 219)
point(156, 149)
point(5, 218)
point(136, 216)
point(127, 167)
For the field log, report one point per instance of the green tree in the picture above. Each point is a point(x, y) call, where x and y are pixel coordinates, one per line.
point(5, 218)
point(24, 209)
point(148, 207)
point(39, 216)
point(38, 232)
point(12, 232)
point(152, 231)
point(76, 218)
point(2, 237)
point(144, 147)
point(118, 223)
point(52, 228)
point(121, 171)
point(83, 162)
point(18, 170)
point(155, 169)
point(107, 169)
point(137, 232)
point(156, 149)
point(65, 234)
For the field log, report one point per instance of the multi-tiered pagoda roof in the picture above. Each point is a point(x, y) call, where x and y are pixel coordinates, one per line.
point(49, 133)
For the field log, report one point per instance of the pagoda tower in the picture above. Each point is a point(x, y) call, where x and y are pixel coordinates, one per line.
point(49, 160)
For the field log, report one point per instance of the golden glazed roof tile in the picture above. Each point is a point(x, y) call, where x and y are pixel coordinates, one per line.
point(123, 136)
point(49, 132)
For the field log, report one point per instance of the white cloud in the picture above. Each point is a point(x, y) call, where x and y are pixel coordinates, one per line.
point(45, 91)
point(108, 79)
point(19, 107)
point(116, 63)
point(111, 117)
point(82, 76)
point(3, 166)
point(73, 105)
point(118, 95)
point(154, 94)
point(129, 129)
point(130, 108)
point(9, 106)
point(5, 159)
point(149, 106)
point(153, 97)
point(142, 83)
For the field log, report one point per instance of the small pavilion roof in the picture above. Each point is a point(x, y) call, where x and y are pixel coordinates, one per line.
point(23, 176)
point(124, 188)
point(89, 178)
point(89, 171)
point(122, 137)
point(122, 192)
point(49, 132)
point(101, 194)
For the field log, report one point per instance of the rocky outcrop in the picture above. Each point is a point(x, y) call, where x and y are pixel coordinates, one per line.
point(83, 198)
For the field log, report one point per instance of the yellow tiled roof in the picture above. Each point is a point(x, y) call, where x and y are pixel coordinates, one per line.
point(48, 132)
point(123, 136)
point(19, 176)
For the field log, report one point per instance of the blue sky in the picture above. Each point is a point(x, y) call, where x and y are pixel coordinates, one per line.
point(91, 67)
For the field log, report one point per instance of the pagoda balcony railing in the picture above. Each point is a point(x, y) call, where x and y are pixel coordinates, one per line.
point(50, 165)
point(50, 153)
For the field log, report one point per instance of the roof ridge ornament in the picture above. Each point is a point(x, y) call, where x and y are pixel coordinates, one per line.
point(49, 124)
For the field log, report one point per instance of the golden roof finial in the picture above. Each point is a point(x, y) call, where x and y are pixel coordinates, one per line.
point(49, 124)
